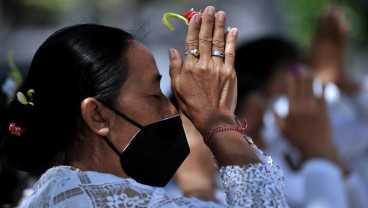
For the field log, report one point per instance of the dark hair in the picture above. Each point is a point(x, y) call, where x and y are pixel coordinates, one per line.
point(74, 63)
point(256, 62)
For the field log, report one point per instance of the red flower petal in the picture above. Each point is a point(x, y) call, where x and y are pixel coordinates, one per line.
point(16, 130)
point(189, 14)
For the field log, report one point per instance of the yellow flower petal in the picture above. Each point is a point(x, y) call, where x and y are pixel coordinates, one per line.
point(173, 15)
point(21, 98)
point(30, 93)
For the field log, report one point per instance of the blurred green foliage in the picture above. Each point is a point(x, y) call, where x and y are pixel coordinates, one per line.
point(47, 11)
point(302, 17)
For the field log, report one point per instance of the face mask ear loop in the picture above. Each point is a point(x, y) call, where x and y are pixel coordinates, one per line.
point(123, 116)
point(126, 118)
point(111, 145)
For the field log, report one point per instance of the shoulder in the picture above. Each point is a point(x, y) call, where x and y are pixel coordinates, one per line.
point(68, 186)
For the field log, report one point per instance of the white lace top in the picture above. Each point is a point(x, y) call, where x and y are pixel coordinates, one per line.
point(255, 185)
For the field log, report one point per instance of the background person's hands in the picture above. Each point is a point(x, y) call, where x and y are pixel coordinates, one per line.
point(205, 86)
point(328, 46)
point(307, 125)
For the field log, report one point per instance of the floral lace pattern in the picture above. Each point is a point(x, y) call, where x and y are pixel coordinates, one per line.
point(254, 185)
point(263, 181)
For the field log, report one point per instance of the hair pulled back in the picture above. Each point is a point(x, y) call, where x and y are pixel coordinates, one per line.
point(74, 63)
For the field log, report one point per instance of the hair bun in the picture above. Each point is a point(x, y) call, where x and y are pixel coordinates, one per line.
point(20, 146)
point(21, 114)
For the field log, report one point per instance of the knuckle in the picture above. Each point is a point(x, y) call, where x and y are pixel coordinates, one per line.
point(203, 66)
point(189, 66)
point(208, 20)
point(227, 74)
point(219, 24)
point(218, 43)
point(192, 43)
point(233, 75)
point(230, 53)
point(205, 38)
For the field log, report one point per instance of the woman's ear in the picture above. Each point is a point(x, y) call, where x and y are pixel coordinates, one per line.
point(95, 115)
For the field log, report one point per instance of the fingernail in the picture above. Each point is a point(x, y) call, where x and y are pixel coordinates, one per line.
point(234, 32)
point(171, 53)
point(221, 15)
point(211, 10)
point(228, 29)
point(197, 18)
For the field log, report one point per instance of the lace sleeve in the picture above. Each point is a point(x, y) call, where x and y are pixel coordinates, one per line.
point(254, 185)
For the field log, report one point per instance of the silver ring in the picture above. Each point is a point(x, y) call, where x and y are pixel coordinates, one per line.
point(194, 52)
point(218, 54)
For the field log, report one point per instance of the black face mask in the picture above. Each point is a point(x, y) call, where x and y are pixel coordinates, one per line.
point(155, 152)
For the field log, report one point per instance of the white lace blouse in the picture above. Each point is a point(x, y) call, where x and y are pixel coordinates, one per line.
point(255, 185)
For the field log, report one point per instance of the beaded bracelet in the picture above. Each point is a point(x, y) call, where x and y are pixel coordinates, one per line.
point(238, 128)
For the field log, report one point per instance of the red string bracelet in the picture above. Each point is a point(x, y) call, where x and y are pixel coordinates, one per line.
point(238, 128)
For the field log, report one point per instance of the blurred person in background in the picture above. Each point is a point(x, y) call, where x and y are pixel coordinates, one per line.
point(288, 119)
point(348, 97)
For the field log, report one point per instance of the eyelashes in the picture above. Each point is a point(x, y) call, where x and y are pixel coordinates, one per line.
point(156, 96)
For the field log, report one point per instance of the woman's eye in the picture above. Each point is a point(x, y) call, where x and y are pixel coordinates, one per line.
point(157, 96)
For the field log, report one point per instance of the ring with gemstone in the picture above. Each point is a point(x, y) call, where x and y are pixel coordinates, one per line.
point(218, 54)
point(193, 52)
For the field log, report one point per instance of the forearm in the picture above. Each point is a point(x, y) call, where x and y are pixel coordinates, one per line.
point(230, 148)
point(347, 85)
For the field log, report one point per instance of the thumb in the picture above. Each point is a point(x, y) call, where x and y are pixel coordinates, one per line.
point(176, 63)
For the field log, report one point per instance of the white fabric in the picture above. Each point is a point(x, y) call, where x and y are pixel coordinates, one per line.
point(349, 117)
point(323, 184)
point(324, 178)
point(256, 185)
point(357, 192)
point(350, 130)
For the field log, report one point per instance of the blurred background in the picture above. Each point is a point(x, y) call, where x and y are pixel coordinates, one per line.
point(25, 24)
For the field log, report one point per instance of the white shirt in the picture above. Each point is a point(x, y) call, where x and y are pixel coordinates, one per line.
point(258, 185)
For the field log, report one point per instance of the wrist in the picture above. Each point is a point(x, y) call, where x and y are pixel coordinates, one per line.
point(207, 137)
point(206, 122)
point(231, 148)
point(227, 144)
point(347, 85)
point(328, 153)
point(314, 152)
